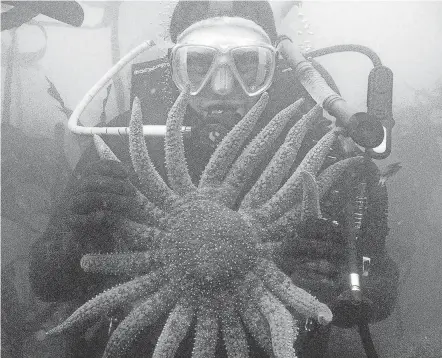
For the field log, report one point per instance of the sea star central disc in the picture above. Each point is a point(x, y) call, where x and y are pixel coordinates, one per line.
point(211, 243)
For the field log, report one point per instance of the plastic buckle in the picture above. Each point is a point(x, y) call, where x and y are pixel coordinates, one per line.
point(366, 262)
point(113, 323)
point(309, 325)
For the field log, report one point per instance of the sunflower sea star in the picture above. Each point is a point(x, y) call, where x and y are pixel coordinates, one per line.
point(198, 255)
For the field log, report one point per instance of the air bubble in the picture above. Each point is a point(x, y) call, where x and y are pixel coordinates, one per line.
point(40, 335)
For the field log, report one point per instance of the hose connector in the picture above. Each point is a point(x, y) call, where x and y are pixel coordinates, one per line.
point(365, 130)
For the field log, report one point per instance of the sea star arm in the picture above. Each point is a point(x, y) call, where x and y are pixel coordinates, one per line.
point(269, 249)
point(121, 263)
point(130, 235)
point(146, 314)
point(174, 331)
point(328, 177)
point(278, 168)
point(103, 150)
point(310, 198)
point(258, 326)
point(147, 210)
point(153, 186)
point(252, 155)
point(229, 147)
point(281, 325)
point(314, 159)
point(233, 332)
point(286, 224)
point(176, 165)
point(251, 316)
point(297, 298)
point(109, 300)
point(206, 332)
point(290, 193)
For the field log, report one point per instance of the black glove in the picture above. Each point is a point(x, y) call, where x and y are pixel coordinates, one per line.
point(316, 257)
point(379, 295)
point(101, 194)
point(97, 196)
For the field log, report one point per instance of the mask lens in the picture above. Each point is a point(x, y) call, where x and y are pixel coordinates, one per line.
point(192, 64)
point(255, 66)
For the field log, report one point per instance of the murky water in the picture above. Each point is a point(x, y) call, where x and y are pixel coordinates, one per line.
point(39, 152)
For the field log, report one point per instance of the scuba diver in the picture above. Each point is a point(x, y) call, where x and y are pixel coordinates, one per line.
point(228, 54)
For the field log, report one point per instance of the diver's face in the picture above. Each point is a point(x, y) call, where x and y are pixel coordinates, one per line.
point(222, 91)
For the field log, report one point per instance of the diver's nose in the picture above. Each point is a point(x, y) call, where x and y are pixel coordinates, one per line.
point(222, 81)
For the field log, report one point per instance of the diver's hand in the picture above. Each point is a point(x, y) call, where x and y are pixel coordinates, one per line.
point(97, 197)
point(102, 185)
point(101, 193)
point(379, 296)
point(316, 257)
point(93, 203)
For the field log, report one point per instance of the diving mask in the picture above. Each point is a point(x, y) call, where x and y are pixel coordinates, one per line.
point(252, 66)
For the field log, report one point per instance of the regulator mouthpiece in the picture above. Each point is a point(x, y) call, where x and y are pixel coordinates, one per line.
point(365, 130)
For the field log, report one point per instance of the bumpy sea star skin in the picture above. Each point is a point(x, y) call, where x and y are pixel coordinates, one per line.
point(202, 260)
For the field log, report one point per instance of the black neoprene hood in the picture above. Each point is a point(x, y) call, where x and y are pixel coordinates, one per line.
point(187, 13)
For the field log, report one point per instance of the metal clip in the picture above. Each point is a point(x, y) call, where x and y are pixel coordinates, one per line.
point(113, 323)
point(366, 262)
point(309, 325)
point(361, 202)
point(355, 284)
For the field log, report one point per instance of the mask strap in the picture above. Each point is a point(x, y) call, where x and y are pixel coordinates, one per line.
point(220, 8)
point(280, 39)
point(183, 65)
point(261, 71)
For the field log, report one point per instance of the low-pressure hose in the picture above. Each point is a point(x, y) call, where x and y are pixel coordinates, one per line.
point(345, 48)
point(74, 119)
point(365, 130)
point(367, 341)
point(324, 73)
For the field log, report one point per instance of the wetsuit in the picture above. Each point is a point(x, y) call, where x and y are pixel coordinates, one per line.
point(56, 274)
